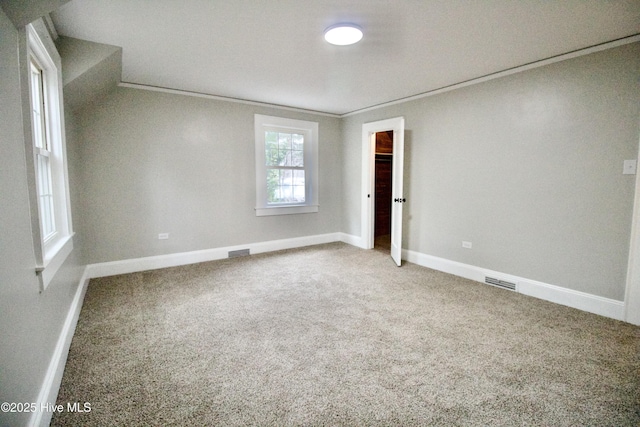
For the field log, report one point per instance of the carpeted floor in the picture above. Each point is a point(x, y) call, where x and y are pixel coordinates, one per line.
point(335, 335)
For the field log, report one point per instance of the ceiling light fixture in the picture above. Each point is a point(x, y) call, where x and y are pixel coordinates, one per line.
point(343, 34)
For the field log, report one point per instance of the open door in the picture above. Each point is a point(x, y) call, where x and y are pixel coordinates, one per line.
point(368, 159)
point(397, 195)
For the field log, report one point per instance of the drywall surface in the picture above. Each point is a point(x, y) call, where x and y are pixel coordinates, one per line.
point(89, 70)
point(22, 12)
point(527, 167)
point(79, 56)
point(165, 163)
point(31, 321)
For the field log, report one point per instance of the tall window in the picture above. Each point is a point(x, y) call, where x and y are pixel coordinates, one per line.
point(284, 152)
point(286, 166)
point(51, 219)
point(42, 150)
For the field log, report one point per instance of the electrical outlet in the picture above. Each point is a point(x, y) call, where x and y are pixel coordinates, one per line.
point(466, 245)
point(163, 236)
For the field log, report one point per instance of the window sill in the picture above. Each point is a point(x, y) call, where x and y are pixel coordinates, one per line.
point(286, 210)
point(52, 264)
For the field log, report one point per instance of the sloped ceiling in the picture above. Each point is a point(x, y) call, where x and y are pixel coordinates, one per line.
point(274, 52)
point(22, 12)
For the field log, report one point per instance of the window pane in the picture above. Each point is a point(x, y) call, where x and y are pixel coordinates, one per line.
point(285, 186)
point(298, 177)
point(297, 158)
point(35, 88)
point(298, 193)
point(297, 141)
point(284, 143)
point(271, 148)
point(298, 186)
point(288, 176)
point(284, 149)
point(271, 156)
point(286, 181)
point(284, 140)
point(271, 138)
point(273, 185)
point(45, 195)
point(37, 116)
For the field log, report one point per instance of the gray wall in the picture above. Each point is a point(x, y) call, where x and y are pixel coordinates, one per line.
point(30, 322)
point(528, 167)
point(163, 163)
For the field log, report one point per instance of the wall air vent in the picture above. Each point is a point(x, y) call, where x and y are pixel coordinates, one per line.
point(499, 283)
point(240, 252)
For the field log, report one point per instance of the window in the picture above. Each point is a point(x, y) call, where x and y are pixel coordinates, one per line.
point(286, 166)
point(42, 151)
point(46, 150)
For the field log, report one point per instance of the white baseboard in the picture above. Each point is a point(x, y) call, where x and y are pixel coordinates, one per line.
point(582, 301)
point(51, 384)
point(352, 240)
point(183, 258)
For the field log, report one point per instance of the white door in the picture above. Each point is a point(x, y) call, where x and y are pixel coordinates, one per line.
point(368, 161)
point(397, 194)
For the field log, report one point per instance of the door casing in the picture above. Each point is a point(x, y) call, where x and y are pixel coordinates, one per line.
point(369, 131)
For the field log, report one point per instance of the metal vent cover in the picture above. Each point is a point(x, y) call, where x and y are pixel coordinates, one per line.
point(500, 283)
point(240, 252)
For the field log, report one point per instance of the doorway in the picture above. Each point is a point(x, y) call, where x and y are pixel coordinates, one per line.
point(394, 128)
point(383, 177)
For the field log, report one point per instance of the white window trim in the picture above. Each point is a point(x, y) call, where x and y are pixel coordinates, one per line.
point(50, 254)
point(310, 205)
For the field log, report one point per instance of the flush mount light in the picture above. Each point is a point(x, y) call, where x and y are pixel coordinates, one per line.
point(343, 34)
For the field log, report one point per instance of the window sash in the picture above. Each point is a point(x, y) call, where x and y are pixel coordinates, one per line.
point(285, 171)
point(45, 197)
point(38, 106)
point(284, 148)
point(46, 152)
point(286, 166)
point(42, 147)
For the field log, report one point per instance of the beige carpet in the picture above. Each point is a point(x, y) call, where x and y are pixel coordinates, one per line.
point(335, 335)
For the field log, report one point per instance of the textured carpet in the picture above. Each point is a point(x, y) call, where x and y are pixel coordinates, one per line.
point(335, 335)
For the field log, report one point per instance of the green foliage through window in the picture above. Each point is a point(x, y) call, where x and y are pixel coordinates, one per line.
point(284, 158)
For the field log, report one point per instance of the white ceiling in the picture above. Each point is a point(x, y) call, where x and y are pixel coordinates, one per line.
point(274, 51)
